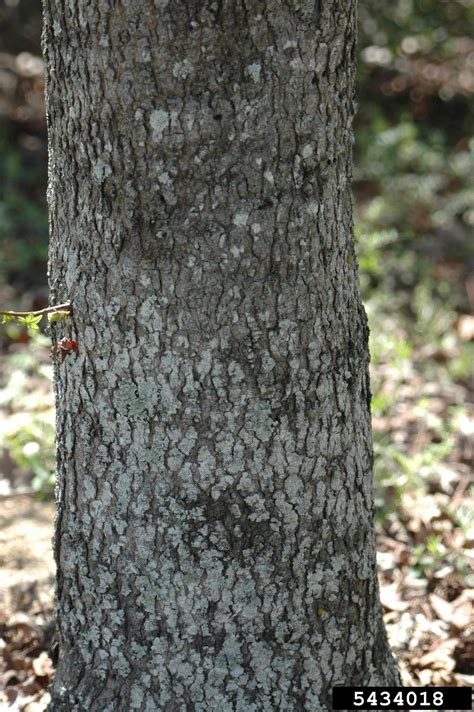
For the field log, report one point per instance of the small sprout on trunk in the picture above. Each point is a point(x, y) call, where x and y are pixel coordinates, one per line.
point(62, 349)
point(58, 315)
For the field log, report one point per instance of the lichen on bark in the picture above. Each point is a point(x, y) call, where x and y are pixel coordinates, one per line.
point(214, 537)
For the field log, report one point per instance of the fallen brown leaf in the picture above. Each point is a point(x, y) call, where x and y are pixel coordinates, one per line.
point(43, 665)
point(440, 658)
point(390, 598)
point(464, 655)
point(457, 613)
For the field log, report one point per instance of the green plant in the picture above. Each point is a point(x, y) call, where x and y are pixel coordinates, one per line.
point(23, 214)
point(26, 397)
point(428, 556)
point(32, 447)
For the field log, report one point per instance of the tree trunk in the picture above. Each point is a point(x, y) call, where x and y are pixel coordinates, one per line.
point(214, 537)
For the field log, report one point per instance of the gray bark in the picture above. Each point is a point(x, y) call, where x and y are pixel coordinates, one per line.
point(214, 537)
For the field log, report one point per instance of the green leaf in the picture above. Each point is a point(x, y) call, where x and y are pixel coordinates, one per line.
point(6, 318)
point(31, 321)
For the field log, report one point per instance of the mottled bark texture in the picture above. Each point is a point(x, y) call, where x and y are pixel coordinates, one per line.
point(214, 537)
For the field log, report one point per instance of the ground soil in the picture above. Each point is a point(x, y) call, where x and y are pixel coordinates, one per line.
point(26, 556)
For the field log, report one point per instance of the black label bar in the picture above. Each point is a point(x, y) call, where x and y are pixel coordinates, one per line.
point(402, 698)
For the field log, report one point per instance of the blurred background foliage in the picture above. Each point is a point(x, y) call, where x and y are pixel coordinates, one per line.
point(414, 191)
point(414, 221)
point(414, 200)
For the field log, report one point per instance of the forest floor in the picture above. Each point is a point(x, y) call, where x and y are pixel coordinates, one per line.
point(26, 602)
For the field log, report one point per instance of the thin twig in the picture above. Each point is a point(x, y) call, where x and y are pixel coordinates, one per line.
point(59, 307)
